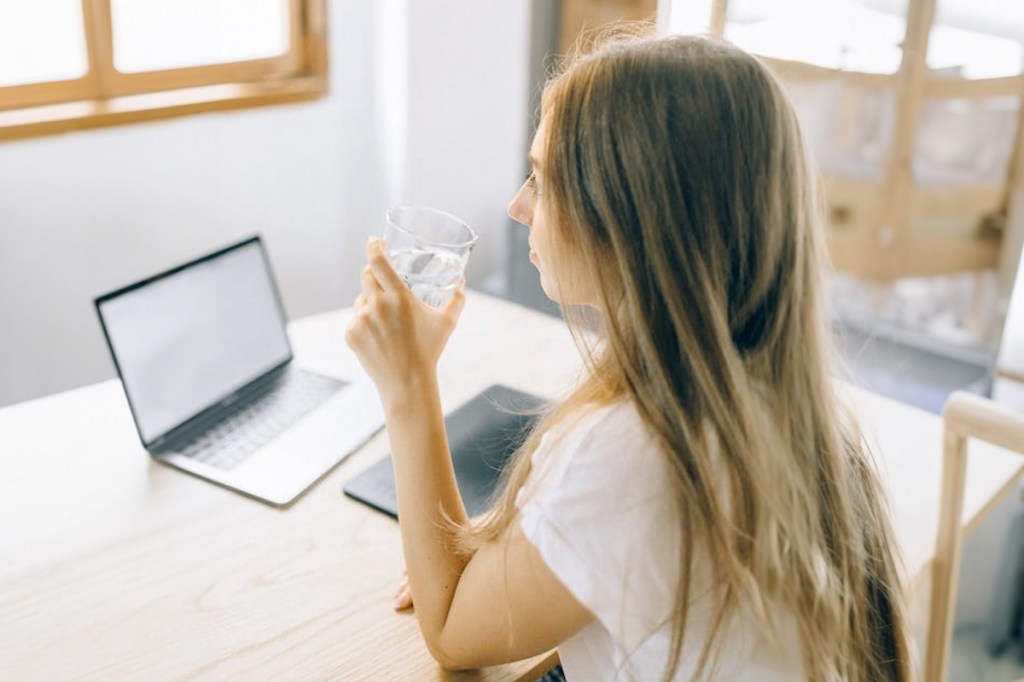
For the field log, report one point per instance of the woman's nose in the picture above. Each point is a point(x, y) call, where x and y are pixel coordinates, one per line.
point(518, 210)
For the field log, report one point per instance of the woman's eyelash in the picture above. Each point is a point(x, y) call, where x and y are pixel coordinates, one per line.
point(531, 182)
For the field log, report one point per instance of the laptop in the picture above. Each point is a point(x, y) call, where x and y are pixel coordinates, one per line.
point(208, 370)
point(482, 434)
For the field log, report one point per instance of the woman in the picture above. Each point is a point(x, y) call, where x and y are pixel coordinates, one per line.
point(700, 507)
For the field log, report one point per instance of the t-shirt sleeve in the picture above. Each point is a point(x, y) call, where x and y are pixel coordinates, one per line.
point(601, 516)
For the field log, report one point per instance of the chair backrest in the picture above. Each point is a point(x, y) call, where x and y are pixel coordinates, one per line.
point(965, 416)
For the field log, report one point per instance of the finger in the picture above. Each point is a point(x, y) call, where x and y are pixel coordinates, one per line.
point(369, 282)
point(353, 336)
point(403, 600)
point(377, 260)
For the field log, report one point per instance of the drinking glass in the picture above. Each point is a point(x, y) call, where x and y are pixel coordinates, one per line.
point(429, 249)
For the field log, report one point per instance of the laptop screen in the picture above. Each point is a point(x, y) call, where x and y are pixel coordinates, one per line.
point(189, 338)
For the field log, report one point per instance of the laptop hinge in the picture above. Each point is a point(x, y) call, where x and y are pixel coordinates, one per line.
point(174, 439)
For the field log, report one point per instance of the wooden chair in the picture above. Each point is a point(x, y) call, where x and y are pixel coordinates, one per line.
point(965, 416)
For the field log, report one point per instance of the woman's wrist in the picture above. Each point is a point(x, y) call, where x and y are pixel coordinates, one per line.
point(411, 394)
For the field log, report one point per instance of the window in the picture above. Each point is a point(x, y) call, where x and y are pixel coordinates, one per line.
point(67, 64)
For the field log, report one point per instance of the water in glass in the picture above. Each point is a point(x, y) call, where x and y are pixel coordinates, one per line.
point(432, 274)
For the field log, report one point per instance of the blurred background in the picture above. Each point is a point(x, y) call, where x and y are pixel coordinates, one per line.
point(137, 134)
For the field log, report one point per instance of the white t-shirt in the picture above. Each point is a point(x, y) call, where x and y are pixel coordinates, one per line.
point(598, 508)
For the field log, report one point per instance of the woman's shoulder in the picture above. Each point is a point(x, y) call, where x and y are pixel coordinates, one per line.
point(609, 420)
point(600, 444)
point(595, 432)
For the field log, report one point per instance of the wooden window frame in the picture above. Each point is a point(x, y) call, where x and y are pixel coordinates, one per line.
point(104, 96)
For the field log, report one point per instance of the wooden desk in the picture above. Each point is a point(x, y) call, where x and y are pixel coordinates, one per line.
point(115, 567)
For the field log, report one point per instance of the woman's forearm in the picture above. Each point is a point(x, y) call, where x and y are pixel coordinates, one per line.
point(425, 485)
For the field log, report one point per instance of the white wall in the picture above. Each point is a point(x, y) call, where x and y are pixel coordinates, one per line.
point(463, 92)
point(86, 212)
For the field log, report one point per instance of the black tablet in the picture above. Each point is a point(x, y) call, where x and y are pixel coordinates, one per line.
point(482, 434)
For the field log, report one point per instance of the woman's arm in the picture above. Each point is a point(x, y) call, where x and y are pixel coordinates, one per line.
point(502, 604)
point(425, 488)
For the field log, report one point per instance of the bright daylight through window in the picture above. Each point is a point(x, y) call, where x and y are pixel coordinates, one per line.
point(67, 64)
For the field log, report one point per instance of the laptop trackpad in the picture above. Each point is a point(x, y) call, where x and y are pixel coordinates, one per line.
point(316, 443)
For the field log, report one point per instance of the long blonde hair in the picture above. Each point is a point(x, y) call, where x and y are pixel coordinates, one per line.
point(677, 165)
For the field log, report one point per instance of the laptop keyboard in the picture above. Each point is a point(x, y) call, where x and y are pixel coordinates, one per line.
point(261, 418)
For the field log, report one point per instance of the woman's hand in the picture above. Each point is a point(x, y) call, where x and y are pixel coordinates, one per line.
point(397, 337)
point(403, 596)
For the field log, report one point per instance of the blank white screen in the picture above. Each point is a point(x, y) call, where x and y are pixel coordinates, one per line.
point(188, 340)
